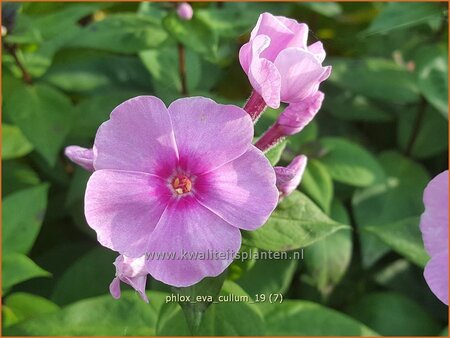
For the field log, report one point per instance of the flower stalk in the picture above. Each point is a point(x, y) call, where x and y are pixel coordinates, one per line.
point(13, 51)
point(255, 106)
point(270, 138)
point(182, 69)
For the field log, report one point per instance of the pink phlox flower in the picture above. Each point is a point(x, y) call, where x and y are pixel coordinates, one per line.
point(434, 227)
point(279, 63)
point(180, 180)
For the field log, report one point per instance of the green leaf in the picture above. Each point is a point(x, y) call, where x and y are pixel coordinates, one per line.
point(44, 27)
point(23, 213)
point(317, 184)
point(76, 282)
point(328, 9)
point(303, 318)
point(229, 22)
point(43, 114)
point(17, 176)
point(349, 107)
point(434, 86)
point(349, 163)
point(298, 141)
point(398, 197)
point(17, 268)
point(406, 278)
point(93, 111)
point(25, 305)
point(95, 72)
point(274, 154)
point(48, 33)
point(103, 316)
point(397, 15)
point(403, 237)
point(269, 275)
point(14, 143)
point(432, 69)
point(431, 137)
point(297, 222)
point(372, 77)
point(224, 318)
point(163, 65)
point(245, 261)
point(126, 33)
point(327, 260)
point(202, 295)
point(391, 314)
point(171, 321)
point(194, 33)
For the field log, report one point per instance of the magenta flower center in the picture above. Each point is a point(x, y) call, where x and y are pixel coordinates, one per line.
point(181, 184)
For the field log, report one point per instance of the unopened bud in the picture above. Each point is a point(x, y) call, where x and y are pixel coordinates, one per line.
point(297, 115)
point(185, 11)
point(84, 157)
point(288, 178)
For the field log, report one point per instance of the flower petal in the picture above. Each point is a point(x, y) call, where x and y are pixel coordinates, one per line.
point(138, 283)
point(137, 137)
point(209, 134)
point(318, 51)
point(124, 208)
point(84, 157)
point(191, 232)
point(262, 74)
point(436, 275)
point(301, 74)
point(245, 56)
point(434, 221)
point(300, 30)
point(242, 192)
point(114, 288)
point(280, 31)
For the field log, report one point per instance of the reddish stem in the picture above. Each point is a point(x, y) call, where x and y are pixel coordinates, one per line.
point(182, 69)
point(25, 75)
point(270, 138)
point(255, 105)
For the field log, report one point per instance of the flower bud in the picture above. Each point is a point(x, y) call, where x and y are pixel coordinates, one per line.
point(84, 157)
point(131, 271)
point(185, 11)
point(288, 178)
point(279, 63)
point(297, 115)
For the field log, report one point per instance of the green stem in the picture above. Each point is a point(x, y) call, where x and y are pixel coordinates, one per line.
point(182, 69)
point(417, 123)
point(25, 75)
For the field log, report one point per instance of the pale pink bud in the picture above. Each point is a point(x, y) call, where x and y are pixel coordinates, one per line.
point(185, 11)
point(84, 157)
point(279, 63)
point(288, 178)
point(297, 115)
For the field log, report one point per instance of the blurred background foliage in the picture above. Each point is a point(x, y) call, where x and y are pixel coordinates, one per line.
point(380, 136)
